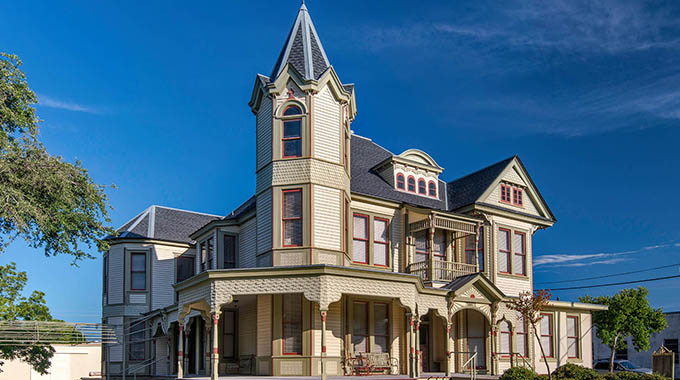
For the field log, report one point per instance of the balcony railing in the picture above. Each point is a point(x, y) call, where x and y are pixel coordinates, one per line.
point(441, 270)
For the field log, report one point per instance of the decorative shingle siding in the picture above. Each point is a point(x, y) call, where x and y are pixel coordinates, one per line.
point(302, 171)
point(327, 228)
point(326, 126)
point(247, 244)
point(163, 276)
point(116, 273)
point(264, 222)
point(263, 133)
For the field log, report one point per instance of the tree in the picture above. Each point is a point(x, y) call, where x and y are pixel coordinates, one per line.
point(14, 306)
point(529, 306)
point(50, 203)
point(628, 314)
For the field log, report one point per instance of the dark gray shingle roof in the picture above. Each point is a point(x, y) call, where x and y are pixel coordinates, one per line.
point(164, 223)
point(466, 190)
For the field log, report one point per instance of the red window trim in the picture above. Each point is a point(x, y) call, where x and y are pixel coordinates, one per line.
point(508, 196)
point(368, 326)
point(283, 323)
point(507, 252)
point(403, 182)
point(550, 330)
point(432, 186)
point(523, 253)
point(415, 184)
point(137, 271)
point(517, 200)
point(366, 241)
point(284, 219)
point(575, 338)
point(422, 181)
point(389, 323)
point(283, 126)
point(386, 243)
point(506, 355)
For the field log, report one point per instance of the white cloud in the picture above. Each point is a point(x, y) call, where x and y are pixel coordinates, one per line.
point(47, 101)
point(578, 260)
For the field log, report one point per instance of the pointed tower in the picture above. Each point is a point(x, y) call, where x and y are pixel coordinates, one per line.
point(303, 115)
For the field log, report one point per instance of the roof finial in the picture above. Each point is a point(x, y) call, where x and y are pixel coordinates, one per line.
point(302, 6)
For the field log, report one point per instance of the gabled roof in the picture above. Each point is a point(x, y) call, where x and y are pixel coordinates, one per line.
point(365, 156)
point(458, 285)
point(466, 190)
point(164, 223)
point(302, 49)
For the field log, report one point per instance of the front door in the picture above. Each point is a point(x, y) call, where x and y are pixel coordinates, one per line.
point(476, 338)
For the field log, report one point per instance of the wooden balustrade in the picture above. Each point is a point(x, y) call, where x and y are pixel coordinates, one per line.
point(442, 270)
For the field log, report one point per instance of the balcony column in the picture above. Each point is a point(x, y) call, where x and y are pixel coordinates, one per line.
point(477, 249)
point(430, 249)
point(180, 351)
point(214, 373)
point(324, 376)
point(411, 347)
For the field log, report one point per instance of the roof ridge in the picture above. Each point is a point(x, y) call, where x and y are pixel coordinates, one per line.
point(184, 210)
point(482, 169)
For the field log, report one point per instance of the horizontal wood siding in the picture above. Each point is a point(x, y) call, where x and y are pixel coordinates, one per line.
point(247, 244)
point(264, 222)
point(116, 273)
point(396, 228)
point(264, 325)
point(247, 325)
point(327, 218)
point(263, 133)
point(162, 277)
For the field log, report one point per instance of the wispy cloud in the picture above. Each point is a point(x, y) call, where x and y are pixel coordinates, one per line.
point(585, 259)
point(50, 102)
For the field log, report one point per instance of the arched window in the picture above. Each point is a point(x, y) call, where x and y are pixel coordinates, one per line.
point(291, 138)
point(400, 182)
point(506, 347)
point(432, 189)
point(421, 186)
point(411, 184)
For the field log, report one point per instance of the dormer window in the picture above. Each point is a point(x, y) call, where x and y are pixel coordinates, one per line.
point(292, 132)
point(517, 197)
point(411, 184)
point(421, 187)
point(400, 182)
point(432, 189)
point(512, 195)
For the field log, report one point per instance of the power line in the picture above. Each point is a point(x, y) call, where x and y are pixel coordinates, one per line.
point(617, 283)
point(611, 275)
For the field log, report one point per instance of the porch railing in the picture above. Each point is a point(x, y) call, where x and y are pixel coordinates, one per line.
point(441, 270)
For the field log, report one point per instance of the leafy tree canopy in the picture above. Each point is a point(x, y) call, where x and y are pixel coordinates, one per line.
point(50, 203)
point(628, 314)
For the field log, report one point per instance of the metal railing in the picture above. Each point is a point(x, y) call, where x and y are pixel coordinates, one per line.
point(441, 270)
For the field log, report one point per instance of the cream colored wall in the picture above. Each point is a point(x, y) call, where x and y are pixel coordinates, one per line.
point(326, 126)
point(68, 362)
point(327, 215)
point(512, 175)
point(247, 325)
point(511, 285)
point(560, 341)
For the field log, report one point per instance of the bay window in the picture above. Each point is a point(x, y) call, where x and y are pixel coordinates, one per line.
point(211, 253)
point(138, 271)
point(292, 218)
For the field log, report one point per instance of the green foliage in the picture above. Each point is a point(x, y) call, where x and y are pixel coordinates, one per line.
point(518, 373)
point(576, 372)
point(15, 306)
point(632, 376)
point(46, 201)
point(628, 314)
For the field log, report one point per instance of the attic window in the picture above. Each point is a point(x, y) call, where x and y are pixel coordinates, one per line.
point(411, 184)
point(421, 187)
point(400, 182)
point(432, 189)
point(517, 197)
point(512, 195)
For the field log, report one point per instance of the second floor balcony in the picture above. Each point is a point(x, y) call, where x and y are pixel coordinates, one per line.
point(440, 270)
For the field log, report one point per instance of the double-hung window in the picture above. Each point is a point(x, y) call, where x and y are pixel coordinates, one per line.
point(422, 253)
point(229, 252)
point(411, 184)
point(292, 324)
point(573, 341)
point(505, 193)
point(292, 218)
point(360, 239)
point(504, 250)
point(136, 346)
point(512, 194)
point(547, 334)
point(360, 335)
point(421, 187)
point(381, 327)
point(380, 241)
point(370, 240)
point(521, 340)
point(185, 268)
point(432, 189)
point(400, 182)
point(138, 271)
point(517, 196)
point(506, 341)
point(292, 132)
point(519, 253)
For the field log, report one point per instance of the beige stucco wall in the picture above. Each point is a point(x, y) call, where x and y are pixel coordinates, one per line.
point(68, 362)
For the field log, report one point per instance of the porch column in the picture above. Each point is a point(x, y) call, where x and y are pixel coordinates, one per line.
point(430, 249)
point(323, 344)
point(180, 351)
point(411, 348)
point(214, 373)
point(417, 341)
point(477, 249)
point(448, 348)
point(207, 348)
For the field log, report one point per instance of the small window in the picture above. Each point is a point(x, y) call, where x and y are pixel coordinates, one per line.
point(137, 350)
point(411, 184)
point(360, 239)
point(547, 334)
point(421, 187)
point(573, 340)
point(292, 218)
point(292, 324)
point(185, 268)
point(380, 242)
point(505, 193)
point(521, 340)
point(506, 348)
point(229, 251)
point(292, 133)
point(400, 182)
point(138, 271)
point(517, 196)
point(432, 189)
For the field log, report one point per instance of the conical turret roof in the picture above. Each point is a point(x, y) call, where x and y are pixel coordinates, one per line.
point(303, 49)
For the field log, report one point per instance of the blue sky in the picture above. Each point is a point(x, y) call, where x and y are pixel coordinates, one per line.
point(152, 97)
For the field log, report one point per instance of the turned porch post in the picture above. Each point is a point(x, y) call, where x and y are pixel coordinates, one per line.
point(411, 348)
point(430, 250)
point(323, 344)
point(180, 351)
point(477, 249)
point(417, 341)
point(448, 348)
point(214, 373)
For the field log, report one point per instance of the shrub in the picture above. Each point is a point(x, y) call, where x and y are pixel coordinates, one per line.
point(632, 376)
point(575, 372)
point(518, 373)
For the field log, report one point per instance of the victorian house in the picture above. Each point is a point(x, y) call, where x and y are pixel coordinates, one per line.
point(344, 250)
